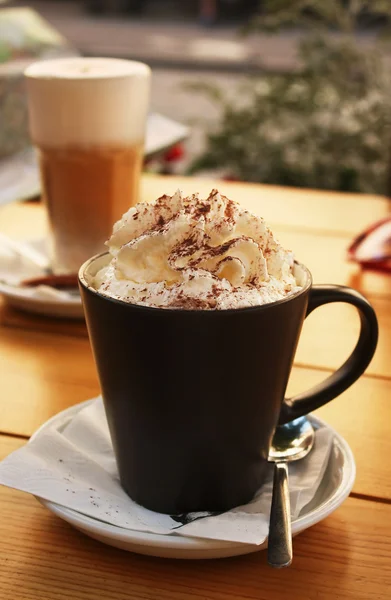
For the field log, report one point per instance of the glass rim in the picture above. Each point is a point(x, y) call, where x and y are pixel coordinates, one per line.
point(40, 69)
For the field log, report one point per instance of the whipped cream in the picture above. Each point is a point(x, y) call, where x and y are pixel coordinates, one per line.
point(189, 253)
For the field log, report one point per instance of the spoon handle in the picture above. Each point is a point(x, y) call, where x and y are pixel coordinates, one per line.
point(280, 552)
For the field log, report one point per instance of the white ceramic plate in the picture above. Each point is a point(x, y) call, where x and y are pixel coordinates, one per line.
point(334, 489)
point(43, 301)
point(69, 308)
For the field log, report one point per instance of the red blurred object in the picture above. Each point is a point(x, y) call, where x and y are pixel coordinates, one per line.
point(372, 248)
point(164, 162)
point(175, 153)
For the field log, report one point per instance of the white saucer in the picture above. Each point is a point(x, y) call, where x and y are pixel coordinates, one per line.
point(42, 300)
point(63, 308)
point(334, 489)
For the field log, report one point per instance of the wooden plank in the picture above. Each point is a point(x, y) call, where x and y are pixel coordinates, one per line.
point(8, 444)
point(18, 319)
point(330, 334)
point(347, 556)
point(42, 374)
point(289, 207)
point(325, 256)
point(362, 416)
point(342, 214)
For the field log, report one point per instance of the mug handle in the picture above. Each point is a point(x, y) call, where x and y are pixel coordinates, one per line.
point(354, 366)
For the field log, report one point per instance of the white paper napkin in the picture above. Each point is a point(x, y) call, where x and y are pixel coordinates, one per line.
point(72, 463)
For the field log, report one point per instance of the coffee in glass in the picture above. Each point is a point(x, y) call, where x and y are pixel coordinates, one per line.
point(87, 120)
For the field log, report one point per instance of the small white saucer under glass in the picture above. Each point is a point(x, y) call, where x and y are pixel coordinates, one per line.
point(42, 300)
point(335, 487)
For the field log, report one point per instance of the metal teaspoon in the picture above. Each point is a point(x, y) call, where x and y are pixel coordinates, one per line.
point(291, 442)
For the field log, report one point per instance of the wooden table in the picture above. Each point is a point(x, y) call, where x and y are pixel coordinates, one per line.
point(46, 366)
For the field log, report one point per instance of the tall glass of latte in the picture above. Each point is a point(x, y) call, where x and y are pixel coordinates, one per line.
point(87, 120)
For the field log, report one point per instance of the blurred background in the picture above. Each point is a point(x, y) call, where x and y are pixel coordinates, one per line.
point(290, 92)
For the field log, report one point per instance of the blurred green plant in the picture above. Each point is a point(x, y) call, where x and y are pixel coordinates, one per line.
point(326, 126)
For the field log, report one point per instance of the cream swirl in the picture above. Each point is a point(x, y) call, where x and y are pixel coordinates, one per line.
point(186, 252)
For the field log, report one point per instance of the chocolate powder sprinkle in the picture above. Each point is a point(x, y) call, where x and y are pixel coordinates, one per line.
point(213, 251)
point(202, 210)
point(230, 210)
point(162, 200)
point(191, 304)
